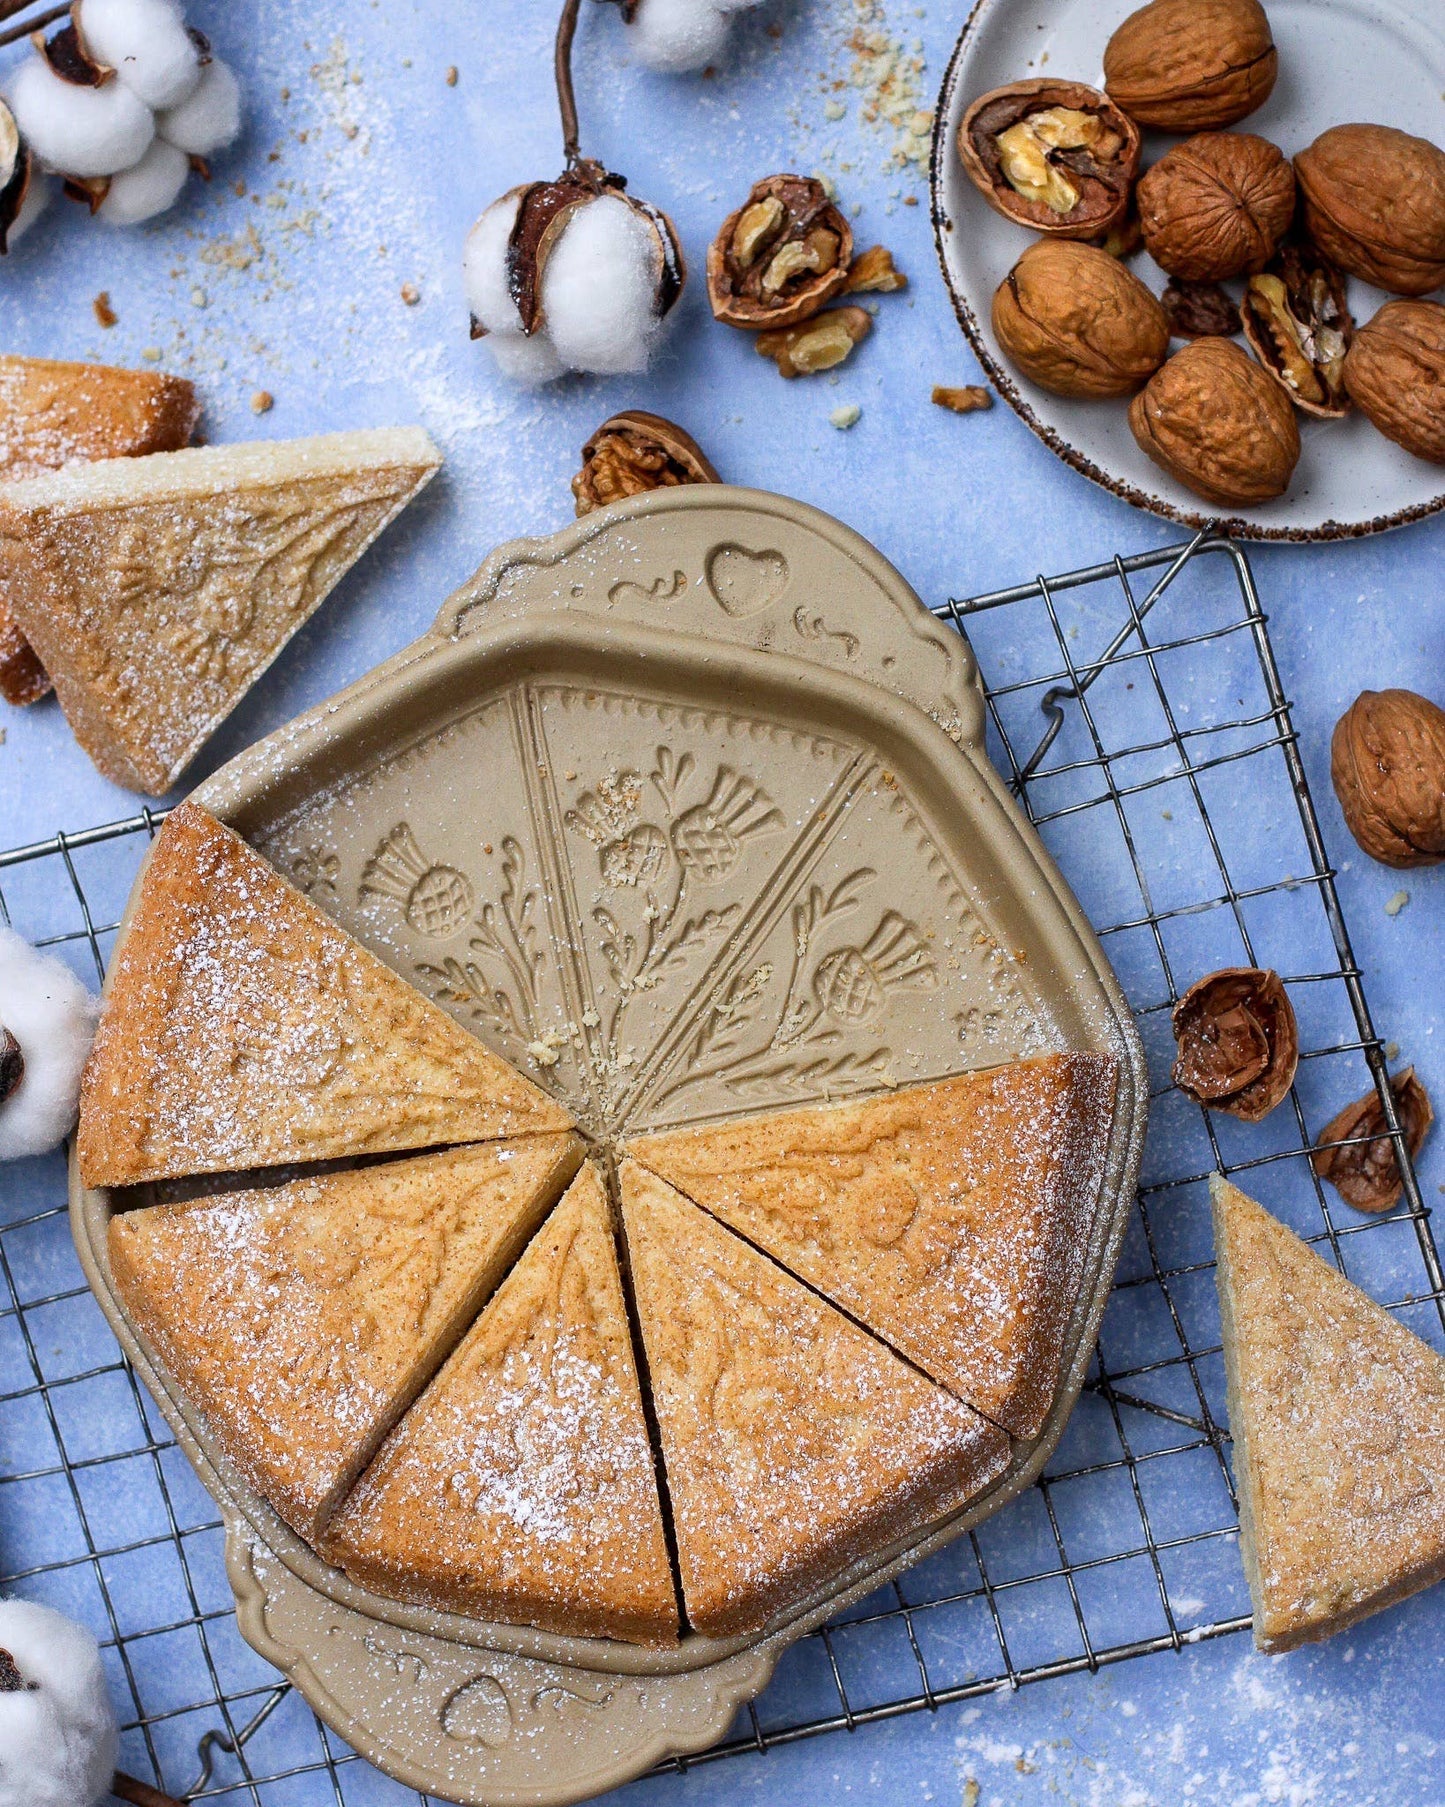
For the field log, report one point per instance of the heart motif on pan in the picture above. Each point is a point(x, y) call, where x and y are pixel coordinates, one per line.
point(745, 583)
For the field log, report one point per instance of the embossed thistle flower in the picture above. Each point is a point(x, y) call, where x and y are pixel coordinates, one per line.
point(631, 852)
point(708, 839)
point(852, 984)
point(437, 900)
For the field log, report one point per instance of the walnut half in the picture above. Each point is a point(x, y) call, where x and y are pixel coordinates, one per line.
point(780, 257)
point(1298, 324)
point(635, 452)
point(1238, 1042)
point(1366, 1174)
point(1057, 156)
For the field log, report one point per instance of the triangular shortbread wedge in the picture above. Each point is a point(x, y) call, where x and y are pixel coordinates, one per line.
point(1338, 1418)
point(792, 1441)
point(52, 413)
point(157, 590)
point(302, 1320)
point(242, 1028)
point(521, 1485)
point(952, 1219)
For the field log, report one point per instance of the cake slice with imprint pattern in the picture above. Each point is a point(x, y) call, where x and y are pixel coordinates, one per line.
point(521, 1485)
point(952, 1219)
point(1337, 1412)
point(793, 1442)
point(242, 1028)
point(302, 1320)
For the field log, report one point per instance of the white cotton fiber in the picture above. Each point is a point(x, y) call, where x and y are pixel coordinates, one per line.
point(39, 193)
point(530, 361)
point(676, 35)
point(52, 1016)
point(148, 189)
point(484, 267)
point(147, 44)
point(210, 117)
point(57, 1738)
point(82, 131)
point(598, 287)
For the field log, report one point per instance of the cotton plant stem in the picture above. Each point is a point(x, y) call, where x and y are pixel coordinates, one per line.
point(140, 1794)
point(566, 94)
point(13, 34)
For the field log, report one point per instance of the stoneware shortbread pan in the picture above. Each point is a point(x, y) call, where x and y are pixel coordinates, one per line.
point(761, 666)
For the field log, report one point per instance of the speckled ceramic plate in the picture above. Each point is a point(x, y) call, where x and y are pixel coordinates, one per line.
point(798, 725)
point(1339, 61)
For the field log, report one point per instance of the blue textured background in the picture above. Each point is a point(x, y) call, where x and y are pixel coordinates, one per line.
point(362, 170)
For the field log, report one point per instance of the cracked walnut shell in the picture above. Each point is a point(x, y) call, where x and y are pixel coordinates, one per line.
point(1387, 764)
point(1219, 424)
point(1238, 1042)
point(1366, 1174)
point(1395, 374)
point(1076, 322)
point(1216, 205)
point(1056, 156)
point(1374, 203)
point(1298, 324)
point(1191, 65)
point(780, 257)
point(634, 452)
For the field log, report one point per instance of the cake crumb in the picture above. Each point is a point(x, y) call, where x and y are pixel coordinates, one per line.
point(262, 402)
point(451, 75)
point(104, 312)
point(845, 417)
point(410, 293)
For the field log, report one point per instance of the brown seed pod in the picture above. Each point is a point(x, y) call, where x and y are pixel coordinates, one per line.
point(1298, 323)
point(1395, 374)
point(1076, 322)
point(634, 452)
point(1238, 1042)
point(1216, 205)
point(780, 257)
point(12, 1064)
point(1056, 156)
point(1199, 310)
point(1367, 1174)
point(1218, 423)
point(1374, 203)
point(1387, 764)
point(1191, 65)
point(70, 56)
point(17, 166)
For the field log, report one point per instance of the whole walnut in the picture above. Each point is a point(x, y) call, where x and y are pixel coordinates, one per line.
point(1216, 205)
point(1387, 763)
point(1076, 322)
point(1374, 203)
point(1219, 423)
point(1191, 65)
point(1395, 374)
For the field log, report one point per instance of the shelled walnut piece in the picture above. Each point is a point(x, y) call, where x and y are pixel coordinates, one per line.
point(1387, 764)
point(1238, 1042)
point(1199, 310)
point(780, 257)
point(1059, 157)
point(821, 343)
point(54, 413)
point(1366, 1174)
point(634, 452)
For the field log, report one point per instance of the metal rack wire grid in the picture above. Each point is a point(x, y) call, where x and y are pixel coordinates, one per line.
point(1137, 711)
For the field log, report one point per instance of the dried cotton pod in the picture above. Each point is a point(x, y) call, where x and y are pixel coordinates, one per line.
point(1076, 322)
point(74, 114)
point(1238, 1042)
point(1374, 203)
point(1219, 424)
point(19, 181)
point(780, 257)
point(1387, 764)
point(1191, 65)
point(635, 452)
point(1216, 205)
point(1366, 1174)
point(1056, 156)
point(1395, 374)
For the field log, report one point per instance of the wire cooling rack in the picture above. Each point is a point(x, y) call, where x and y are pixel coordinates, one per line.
point(1137, 710)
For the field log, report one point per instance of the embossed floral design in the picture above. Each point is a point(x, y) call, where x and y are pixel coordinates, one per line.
point(852, 984)
point(314, 869)
point(436, 899)
point(709, 838)
point(630, 851)
point(500, 984)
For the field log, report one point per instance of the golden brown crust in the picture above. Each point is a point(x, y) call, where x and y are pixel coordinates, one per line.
point(1337, 1413)
point(521, 1486)
point(793, 1442)
point(242, 1028)
point(952, 1219)
point(302, 1320)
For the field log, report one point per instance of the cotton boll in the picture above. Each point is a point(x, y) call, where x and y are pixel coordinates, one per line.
point(83, 131)
point(676, 35)
point(147, 44)
point(599, 289)
point(528, 360)
point(57, 1732)
point(148, 189)
point(484, 267)
point(52, 1016)
point(209, 118)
